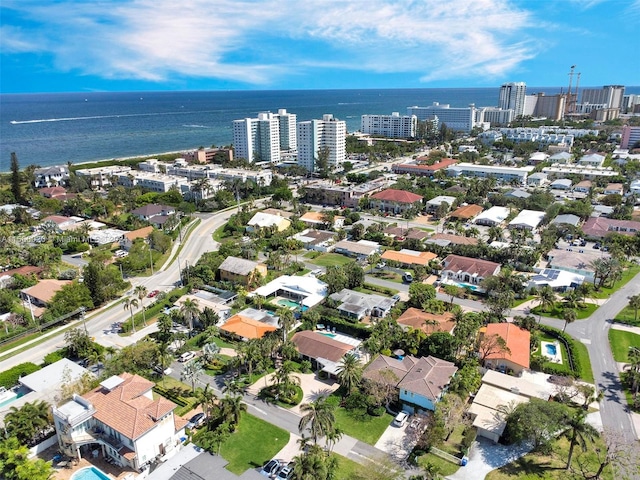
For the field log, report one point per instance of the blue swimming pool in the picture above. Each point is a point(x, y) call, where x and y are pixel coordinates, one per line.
point(90, 473)
point(330, 335)
point(551, 349)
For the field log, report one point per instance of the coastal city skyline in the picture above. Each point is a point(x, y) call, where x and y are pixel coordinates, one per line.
point(159, 46)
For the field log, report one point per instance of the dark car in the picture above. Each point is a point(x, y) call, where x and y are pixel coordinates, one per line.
point(196, 421)
point(271, 468)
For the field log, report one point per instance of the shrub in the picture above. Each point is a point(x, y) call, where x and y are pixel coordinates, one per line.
point(376, 411)
point(53, 357)
point(10, 377)
point(574, 367)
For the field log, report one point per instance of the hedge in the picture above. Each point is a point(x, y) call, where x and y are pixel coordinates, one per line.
point(185, 405)
point(575, 366)
point(10, 377)
point(379, 289)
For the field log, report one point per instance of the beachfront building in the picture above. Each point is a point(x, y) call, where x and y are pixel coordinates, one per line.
point(262, 139)
point(155, 182)
point(121, 419)
point(495, 116)
point(502, 174)
point(512, 96)
point(391, 126)
point(316, 135)
point(51, 176)
point(458, 119)
point(103, 176)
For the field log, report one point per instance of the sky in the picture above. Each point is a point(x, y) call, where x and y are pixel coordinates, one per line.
point(161, 45)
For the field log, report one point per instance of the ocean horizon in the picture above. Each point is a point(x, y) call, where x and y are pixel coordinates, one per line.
point(55, 128)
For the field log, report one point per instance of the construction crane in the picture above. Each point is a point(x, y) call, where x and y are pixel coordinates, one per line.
point(570, 97)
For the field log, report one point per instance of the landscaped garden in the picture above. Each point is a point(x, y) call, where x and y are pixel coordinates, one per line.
point(331, 259)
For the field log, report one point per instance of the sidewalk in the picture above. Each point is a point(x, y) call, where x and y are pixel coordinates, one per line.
point(626, 328)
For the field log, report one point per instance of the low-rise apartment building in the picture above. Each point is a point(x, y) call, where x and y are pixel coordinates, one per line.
point(502, 174)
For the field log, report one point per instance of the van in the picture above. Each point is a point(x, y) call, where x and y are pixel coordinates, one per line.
point(186, 356)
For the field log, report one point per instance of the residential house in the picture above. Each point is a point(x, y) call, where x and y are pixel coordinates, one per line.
point(561, 158)
point(566, 219)
point(575, 260)
point(433, 204)
point(423, 169)
point(263, 220)
point(517, 353)
point(446, 239)
point(122, 420)
point(324, 351)
point(395, 201)
point(246, 328)
point(600, 227)
point(497, 392)
point(614, 189)
point(401, 234)
point(157, 215)
point(57, 193)
point(316, 240)
point(561, 184)
point(106, 236)
point(319, 220)
point(240, 270)
point(527, 220)
point(492, 217)
point(61, 221)
point(427, 322)
point(307, 291)
point(362, 249)
point(408, 258)
point(583, 187)
point(592, 160)
point(518, 193)
point(51, 176)
point(467, 272)
point(466, 212)
point(206, 299)
point(558, 280)
point(538, 179)
point(356, 305)
point(40, 294)
point(421, 382)
point(127, 241)
point(634, 187)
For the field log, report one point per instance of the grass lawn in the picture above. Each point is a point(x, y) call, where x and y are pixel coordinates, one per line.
point(303, 272)
point(346, 468)
point(520, 301)
point(222, 343)
point(556, 311)
point(581, 352)
point(445, 467)
point(628, 316)
point(330, 259)
point(628, 274)
point(389, 276)
point(368, 431)
point(534, 466)
point(620, 342)
point(253, 444)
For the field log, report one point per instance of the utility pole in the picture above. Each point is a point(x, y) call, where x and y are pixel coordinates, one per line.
point(150, 260)
point(84, 320)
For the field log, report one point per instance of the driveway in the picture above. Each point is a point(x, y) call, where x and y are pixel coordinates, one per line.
point(486, 456)
point(397, 441)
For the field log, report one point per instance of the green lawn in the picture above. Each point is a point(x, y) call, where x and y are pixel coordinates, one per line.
point(331, 259)
point(628, 274)
point(556, 311)
point(368, 431)
point(581, 352)
point(520, 301)
point(628, 316)
point(346, 468)
point(253, 444)
point(388, 275)
point(620, 342)
point(445, 467)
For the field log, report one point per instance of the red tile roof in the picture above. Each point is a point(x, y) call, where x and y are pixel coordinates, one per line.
point(466, 212)
point(482, 268)
point(427, 322)
point(600, 227)
point(517, 339)
point(455, 239)
point(315, 345)
point(246, 327)
point(397, 196)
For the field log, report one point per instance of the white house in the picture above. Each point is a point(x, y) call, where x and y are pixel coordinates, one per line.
point(592, 160)
point(121, 419)
point(527, 219)
point(561, 184)
point(492, 217)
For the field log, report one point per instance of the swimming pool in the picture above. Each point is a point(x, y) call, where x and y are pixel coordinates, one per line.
point(468, 286)
point(551, 349)
point(330, 335)
point(288, 303)
point(90, 473)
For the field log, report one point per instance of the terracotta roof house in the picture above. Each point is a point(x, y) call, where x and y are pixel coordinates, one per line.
point(121, 418)
point(518, 342)
point(466, 212)
point(240, 270)
point(467, 272)
point(26, 270)
point(421, 382)
point(422, 169)
point(127, 240)
point(317, 219)
point(323, 351)
point(599, 227)
point(52, 192)
point(409, 257)
point(427, 322)
point(42, 292)
point(395, 201)
point(246, 328)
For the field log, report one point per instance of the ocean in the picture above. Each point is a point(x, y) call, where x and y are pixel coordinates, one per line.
point(51, 129)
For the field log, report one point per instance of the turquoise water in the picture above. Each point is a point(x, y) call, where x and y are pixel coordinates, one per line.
point(551, 349)
point(10, 400)
point(331, 335)
point(288, 303)
point(90, 473)
point(466, 285)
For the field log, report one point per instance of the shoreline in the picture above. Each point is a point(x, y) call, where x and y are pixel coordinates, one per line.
point(122, 159)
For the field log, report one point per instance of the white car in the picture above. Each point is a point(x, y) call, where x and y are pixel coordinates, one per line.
point(316, 272)
point(400, 419)
point(186, 356)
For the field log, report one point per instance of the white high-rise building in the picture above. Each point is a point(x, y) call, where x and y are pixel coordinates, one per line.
point(458, 119)
point(265, 137)
point(313, 135)
point(392, 126)
point(512, 97)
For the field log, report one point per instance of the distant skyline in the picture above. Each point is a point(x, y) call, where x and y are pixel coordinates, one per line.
point(159, 45)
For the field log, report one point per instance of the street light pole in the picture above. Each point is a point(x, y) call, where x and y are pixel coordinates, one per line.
point(84, 321)
point(150, 260)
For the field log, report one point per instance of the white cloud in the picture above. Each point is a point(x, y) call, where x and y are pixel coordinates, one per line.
point(260, 41)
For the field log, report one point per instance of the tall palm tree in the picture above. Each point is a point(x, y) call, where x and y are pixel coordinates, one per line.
point(190, 373)
point(190, 311)
point(232, 408)
point(634, 303)
point(569, 316)
point(318, 417)
point(572, 300)
point(286, 320)
point(207, 400)
point(546, 298)
point(129, 304)
point(349, 372)
point(579, 432)
point(141, 292)
point(284, 378)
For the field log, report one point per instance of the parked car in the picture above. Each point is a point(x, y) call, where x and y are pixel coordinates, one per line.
point(286, 472)
point(153, 293)
point(407, 277)
point(382, 265)
point(400, 419)
point(316, 272)
point(186, 356)
point(270, 469)
point(197, 420)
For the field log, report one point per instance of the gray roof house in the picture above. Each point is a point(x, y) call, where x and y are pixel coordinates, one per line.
point(567, 219)
point(359, 305)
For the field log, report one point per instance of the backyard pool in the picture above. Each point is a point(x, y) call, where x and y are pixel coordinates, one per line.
point(468, 286)
point(288, 303)
point(551, 349)
point(90, 473)
point(330, 335)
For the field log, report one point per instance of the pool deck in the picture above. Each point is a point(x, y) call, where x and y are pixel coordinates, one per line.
point(66, 473)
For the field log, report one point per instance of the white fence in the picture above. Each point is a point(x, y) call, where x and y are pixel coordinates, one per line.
point(42, 446)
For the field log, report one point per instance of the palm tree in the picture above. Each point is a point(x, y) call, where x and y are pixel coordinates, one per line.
point(141, 292)
point(232, 408)
point(546, 298)
point(207, 399)
point(634, 303)
point(496, 234)
point(286, 320)
point(569, 316)
point(572, 300)
point(284, 378)
point(190, 373)
point(578, 433)
point(318, 417)
point(190, 311)
point(349, 372)
point(130, 304)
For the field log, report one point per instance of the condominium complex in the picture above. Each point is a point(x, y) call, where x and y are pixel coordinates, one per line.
point(262, 139)
point(609, 95)
point(630, 136)
point(313, 135)
point(392, 126)
point(503, 174)
point(512, 97)
point(459, 119)
point(495, 116)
